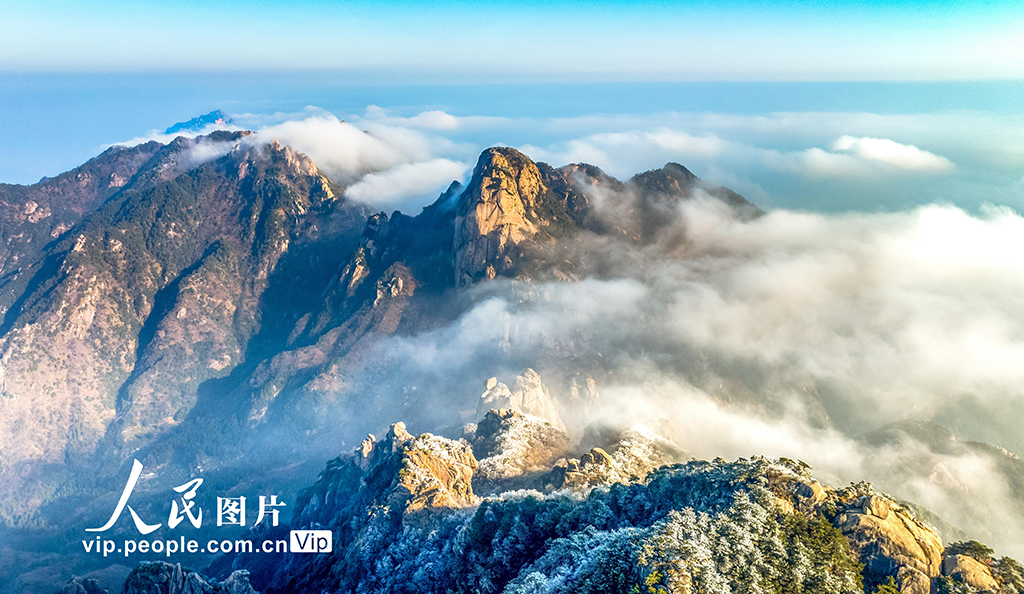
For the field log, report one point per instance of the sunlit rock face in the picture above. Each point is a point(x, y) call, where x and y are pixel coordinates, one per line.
point(493, 215)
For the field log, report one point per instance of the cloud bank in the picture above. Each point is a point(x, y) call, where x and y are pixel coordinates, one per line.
point(794, 334)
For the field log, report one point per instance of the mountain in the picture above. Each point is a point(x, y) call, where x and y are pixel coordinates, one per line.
point(197, 124)
point(172, 281)
point(33, 216)
point(217, 308)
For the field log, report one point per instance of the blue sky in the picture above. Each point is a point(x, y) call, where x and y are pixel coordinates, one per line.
point(794, 104)
point(554, 41)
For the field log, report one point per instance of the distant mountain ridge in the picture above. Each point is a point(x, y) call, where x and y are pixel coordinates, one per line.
point(198, 123)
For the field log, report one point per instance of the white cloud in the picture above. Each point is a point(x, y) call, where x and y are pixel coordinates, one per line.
point(434, 120)
point(625, 153)
point(164, 138)
point(903, 156)
point(397, 186)
point(347, 151)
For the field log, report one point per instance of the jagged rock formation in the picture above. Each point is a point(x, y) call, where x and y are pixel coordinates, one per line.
point(158, 577)
point(400, 472)
point(528, 396)
point(514, 212)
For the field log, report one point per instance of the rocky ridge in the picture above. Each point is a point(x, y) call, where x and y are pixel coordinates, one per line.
point(619, 531)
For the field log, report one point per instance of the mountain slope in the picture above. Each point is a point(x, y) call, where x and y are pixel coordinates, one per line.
point(160, 289)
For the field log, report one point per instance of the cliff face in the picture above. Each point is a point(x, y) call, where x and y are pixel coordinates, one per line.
point(496, 213)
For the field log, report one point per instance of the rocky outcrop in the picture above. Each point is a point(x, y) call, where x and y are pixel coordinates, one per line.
point(494, 215)
point(77, 585)
point(889, 539)
point(435, 472)
point(158, 577)
point(970, 571)
point(635, 453)
point(401, 472)
point(528, 396)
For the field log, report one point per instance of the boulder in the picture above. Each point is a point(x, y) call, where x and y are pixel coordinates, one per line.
point(876, 505)
point(887, 544)
point(970, 571)
point(596, 457)
point(809, 492)
point(912, 581)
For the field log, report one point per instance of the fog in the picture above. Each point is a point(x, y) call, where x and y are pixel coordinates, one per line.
point(793, 334)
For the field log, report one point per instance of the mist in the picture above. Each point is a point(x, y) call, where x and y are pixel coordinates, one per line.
point(793, 334)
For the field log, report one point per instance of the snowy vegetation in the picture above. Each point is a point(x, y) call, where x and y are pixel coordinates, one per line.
point(713, 526)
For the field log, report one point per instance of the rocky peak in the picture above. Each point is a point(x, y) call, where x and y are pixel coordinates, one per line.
point(198, 123)
point(673, 179)
point(435, 473)
point(400, 473)
point(528, 396)
point(494, 214)
point(635, 453)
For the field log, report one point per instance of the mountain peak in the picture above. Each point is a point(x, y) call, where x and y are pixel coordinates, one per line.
point(214, 118)
point(493, 214)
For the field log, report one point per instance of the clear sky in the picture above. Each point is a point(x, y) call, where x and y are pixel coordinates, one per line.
point(830, 105)
point(417, 41)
